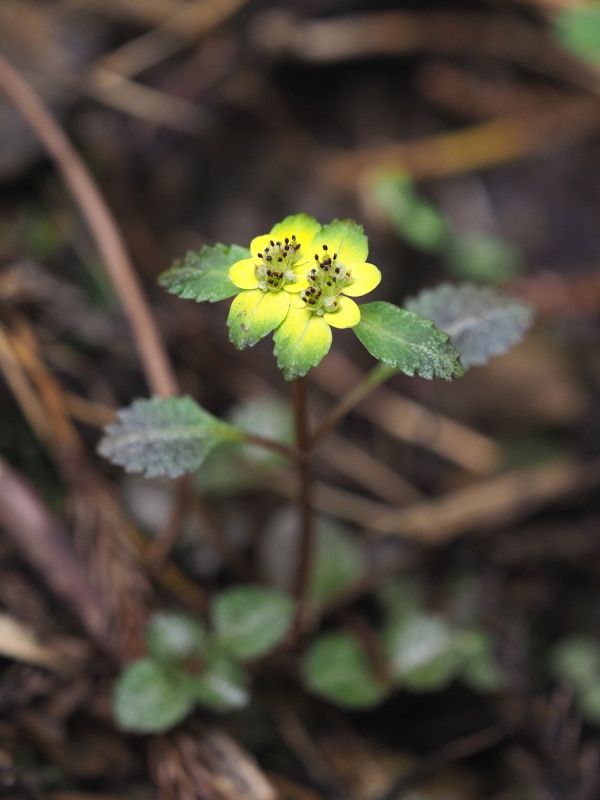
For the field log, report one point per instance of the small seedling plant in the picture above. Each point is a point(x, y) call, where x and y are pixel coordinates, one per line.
point(299, 282)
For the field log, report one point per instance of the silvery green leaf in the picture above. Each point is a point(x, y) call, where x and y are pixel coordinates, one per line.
point(421, 651)
point(204, 274)
point(481, 322)
point(150, 697)
point(221, 686)
point(167, 437)
point(407, 341)
point(250, 621)
point(173, 636)
point(338, 562)
point(337, 668)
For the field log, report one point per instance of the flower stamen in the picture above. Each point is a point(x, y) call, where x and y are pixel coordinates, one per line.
point(325, 287)
point(284, 255)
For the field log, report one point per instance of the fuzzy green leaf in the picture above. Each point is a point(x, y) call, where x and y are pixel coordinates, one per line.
point(173, 637)
point(203, 274)
point(221, 686)
point(249, 621)
point(407, 341)
point(339, 562)
point(421, 652)
point(163, 437)
point(151, 698)
point(336, 668)
point(480, 321)
point(301, 342)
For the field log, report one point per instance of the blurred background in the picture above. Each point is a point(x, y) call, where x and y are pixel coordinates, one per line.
point(464, 136)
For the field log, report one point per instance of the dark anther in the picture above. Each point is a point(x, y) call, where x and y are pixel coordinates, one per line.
point(324, 247)
point(312, 302)
point(328, 283)
point(297, 247)
point(293, 236)
point(271, 282)
point(269, 258)
point(333, 278)
point(272, 243)
point(316, 256)
point(304, 300)
point(280, 259)
point(269, 273)
point(287, 241)
point(335, 255)
point(337, 270)
point(260, 255)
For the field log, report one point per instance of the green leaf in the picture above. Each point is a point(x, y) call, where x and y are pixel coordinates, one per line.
point(339, 562)
point(421, 652)
point(578, 30)
point(254, 314)
point(406, 341)
point(344, 237)
point(400, 598)
point(480, 321)
point(415, 219)
point(173, 637)
point(301, 341)
point(576, 661)
point(203, 274)
point(479, 257)
point(336, 668)
point(151, 698)
point(588, 702)
point(479, 668)
point(250, 621)
point(163, 437)
point(221, 686)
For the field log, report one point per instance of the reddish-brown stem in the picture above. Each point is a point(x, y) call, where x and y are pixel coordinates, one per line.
point(305, 505)
point(157, 367)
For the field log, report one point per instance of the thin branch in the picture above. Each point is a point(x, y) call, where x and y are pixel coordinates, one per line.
point(102, 224)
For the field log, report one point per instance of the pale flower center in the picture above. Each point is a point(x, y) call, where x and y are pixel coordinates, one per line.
point(274, 268)
point(327, 279)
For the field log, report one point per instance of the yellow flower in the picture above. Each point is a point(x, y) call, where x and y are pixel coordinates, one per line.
point(337, 272)
point(275, 271)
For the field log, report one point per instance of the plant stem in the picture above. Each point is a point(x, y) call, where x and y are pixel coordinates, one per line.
point(305, 504)
point(372, 380)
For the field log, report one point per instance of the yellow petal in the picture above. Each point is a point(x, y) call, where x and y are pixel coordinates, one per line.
point(345, 238)
point(296, 301)
point(254, 314)
point(241, 274)
point(365, 277)
point(347, 314)
point(258, 244)
point(303, 227)
point(301, 341)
